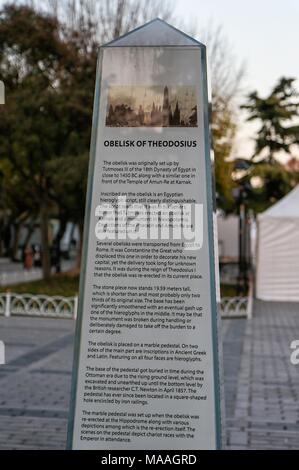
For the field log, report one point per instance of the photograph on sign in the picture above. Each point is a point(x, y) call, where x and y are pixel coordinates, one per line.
point(154, 106)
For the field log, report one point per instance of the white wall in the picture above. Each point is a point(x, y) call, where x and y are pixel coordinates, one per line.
point(228, 233)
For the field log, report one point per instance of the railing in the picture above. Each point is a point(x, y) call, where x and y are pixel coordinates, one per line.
point(38, 305)
point(237, 307)
point(234, 307)
point(66, 307)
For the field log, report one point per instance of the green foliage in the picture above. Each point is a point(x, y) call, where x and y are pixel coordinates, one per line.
point(276, 182)
point(32, 125)
point(276, 137)
point(49, 73)
point(49, 83)
point(275, 113)
point(229, 290)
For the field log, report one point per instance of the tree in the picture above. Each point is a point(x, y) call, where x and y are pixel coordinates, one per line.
point(107, 19)
point(226, 81)
point(33, 127)
point(275, 112)
point(223, 128)
point(225, 71)
point(49, 69)
point(17, 205)
point(275, 138)
point(69, 179)
point(274, 183)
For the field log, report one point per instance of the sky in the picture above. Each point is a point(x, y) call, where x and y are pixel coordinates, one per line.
point(264, 34)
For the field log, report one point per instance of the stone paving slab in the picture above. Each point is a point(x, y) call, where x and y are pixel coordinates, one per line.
point(35, 383)
point(266, 408)
point(261, 385)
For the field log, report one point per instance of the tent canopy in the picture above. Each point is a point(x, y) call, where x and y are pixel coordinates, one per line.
point(278, 250)
point(287, 207)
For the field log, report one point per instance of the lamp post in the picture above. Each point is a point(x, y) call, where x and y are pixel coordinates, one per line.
point(240, 194)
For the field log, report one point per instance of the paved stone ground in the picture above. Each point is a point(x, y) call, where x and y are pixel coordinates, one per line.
point(261, 385)
point(35, 383)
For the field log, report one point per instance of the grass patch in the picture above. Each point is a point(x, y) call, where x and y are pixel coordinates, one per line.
point(67, 286)
point(228, 290)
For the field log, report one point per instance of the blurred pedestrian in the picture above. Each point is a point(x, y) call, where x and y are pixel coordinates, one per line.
point(28, 258)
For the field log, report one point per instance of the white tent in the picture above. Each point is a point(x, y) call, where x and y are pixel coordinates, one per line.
point(278, 250)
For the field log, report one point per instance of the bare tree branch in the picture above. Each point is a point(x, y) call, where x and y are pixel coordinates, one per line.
point(110, 18)
point(226, 74)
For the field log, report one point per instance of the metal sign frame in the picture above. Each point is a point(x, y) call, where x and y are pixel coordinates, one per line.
point(209, 196)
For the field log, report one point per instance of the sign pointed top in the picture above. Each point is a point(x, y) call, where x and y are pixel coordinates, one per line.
point(154, 33)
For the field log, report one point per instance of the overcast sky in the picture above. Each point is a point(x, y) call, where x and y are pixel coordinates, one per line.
point(263, 33)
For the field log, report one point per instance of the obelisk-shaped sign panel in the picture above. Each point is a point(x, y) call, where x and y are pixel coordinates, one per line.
point(146, 372)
